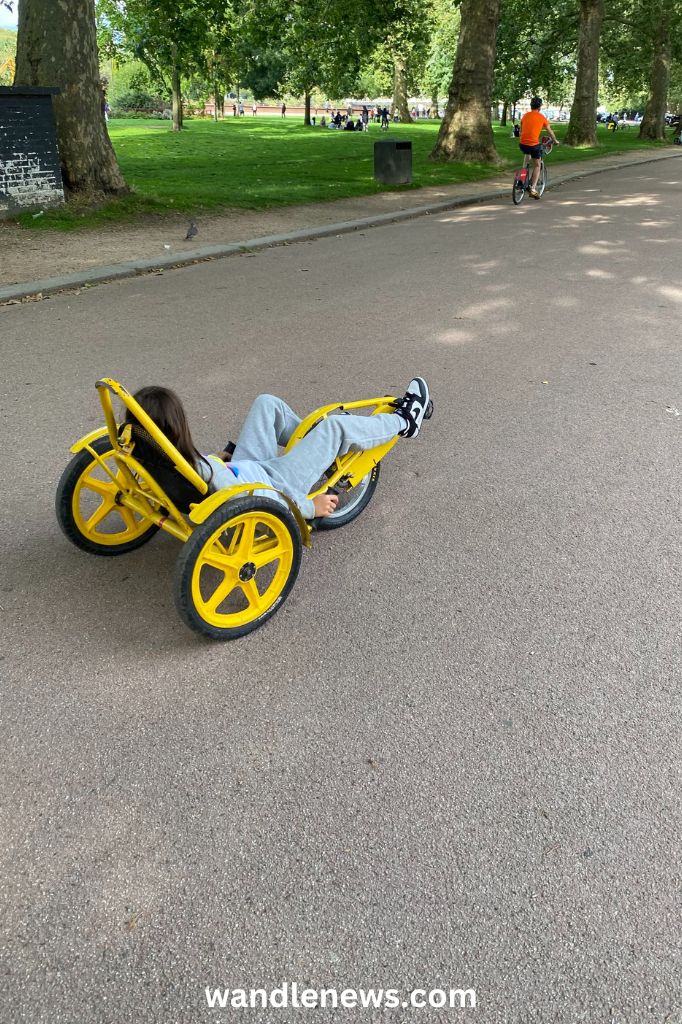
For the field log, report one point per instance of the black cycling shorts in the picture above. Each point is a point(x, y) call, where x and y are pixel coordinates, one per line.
point(534, 151)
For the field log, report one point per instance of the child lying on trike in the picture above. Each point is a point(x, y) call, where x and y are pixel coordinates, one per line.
point(244, 514)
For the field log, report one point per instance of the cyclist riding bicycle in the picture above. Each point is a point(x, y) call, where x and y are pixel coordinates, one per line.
point(532, 125)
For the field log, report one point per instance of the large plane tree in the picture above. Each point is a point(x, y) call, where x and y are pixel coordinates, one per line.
point(57, 46)
point(466, 130)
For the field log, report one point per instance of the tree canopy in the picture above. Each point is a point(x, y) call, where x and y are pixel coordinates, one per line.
point(484, 52)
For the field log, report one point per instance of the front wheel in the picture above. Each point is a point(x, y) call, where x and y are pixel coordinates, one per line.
point(542, 180)
point(87, 508)
point(518, 189)
point(351, 503)
point(237, 568)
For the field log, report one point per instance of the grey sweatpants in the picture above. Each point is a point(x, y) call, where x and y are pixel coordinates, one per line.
point(270, 423)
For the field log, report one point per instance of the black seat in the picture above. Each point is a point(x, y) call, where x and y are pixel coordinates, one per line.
point(153, 458)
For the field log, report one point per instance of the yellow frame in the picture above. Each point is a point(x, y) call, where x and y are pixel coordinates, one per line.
point(353, 465)
point(140, 493)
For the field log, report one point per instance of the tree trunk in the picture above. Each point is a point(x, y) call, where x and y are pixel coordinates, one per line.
point(215, 101)
point(176, 94)
point(582, 126)
point(653, 122)
point(503, 119)
point(306, 116)
point(57, 46)
point(434, 103)
point(400, 89)
point(466, 133)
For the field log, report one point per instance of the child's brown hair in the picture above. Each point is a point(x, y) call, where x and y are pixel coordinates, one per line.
point(164, 407)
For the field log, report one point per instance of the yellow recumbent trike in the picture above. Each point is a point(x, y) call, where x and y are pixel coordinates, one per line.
point(242, 549)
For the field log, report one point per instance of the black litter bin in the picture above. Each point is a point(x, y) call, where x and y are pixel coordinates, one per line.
point(393, 162)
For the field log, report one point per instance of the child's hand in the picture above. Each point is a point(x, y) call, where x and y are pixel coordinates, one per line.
point(325, 504)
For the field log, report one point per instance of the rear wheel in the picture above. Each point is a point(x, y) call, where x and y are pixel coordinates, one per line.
point(237, 568)
point(87, 508)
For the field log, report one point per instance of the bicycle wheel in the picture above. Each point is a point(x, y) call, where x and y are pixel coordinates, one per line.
point(542, 180)
point(518, 190)
point(88, 512)
point(237, 568)
point(351, 503)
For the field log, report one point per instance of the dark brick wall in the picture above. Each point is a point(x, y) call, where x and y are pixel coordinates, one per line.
point(29, 161)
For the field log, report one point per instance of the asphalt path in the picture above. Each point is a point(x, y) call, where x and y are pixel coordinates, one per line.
point(452, 759)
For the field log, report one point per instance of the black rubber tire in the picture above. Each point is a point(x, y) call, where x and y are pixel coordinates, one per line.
point(542, 180)
point(336, 520)
point(518, 192)
point(64, 506)
point(184, 569)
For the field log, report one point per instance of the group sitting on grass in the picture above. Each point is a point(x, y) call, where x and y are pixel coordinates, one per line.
point(345, 122)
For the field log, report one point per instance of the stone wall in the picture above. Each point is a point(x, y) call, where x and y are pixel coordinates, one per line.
point(30, 175)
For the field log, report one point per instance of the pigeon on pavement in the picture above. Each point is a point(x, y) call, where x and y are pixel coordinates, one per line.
point(192, 230)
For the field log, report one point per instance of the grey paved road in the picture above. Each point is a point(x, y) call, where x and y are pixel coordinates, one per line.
point(453, 758)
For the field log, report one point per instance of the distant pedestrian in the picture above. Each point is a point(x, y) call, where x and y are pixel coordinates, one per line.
point(234, 109)
point(284, 110)
point(241, 109)
point(254, 109)
point(365, 118)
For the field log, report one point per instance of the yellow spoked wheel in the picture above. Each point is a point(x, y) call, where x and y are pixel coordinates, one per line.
point(237, 568)
point(87, 511)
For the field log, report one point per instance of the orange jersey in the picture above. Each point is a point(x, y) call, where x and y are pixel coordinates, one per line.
point(532, 124)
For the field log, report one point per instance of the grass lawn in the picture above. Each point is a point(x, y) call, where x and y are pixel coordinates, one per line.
point(255, 163)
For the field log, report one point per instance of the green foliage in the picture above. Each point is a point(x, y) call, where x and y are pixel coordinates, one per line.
point(295, 46)
point(265, 70)
point(442, 47)
point(130, 78)
point(628, 43)
point(8, 49)
point(536, 47)
point(161, 35)
point(376, 75)
point(129, 101)
point(408, 34)
point(675, 90)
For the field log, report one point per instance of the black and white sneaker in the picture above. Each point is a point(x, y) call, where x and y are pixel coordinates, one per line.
point(414, 406)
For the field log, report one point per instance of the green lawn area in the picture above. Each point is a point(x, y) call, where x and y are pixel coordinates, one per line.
point(256, 163)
